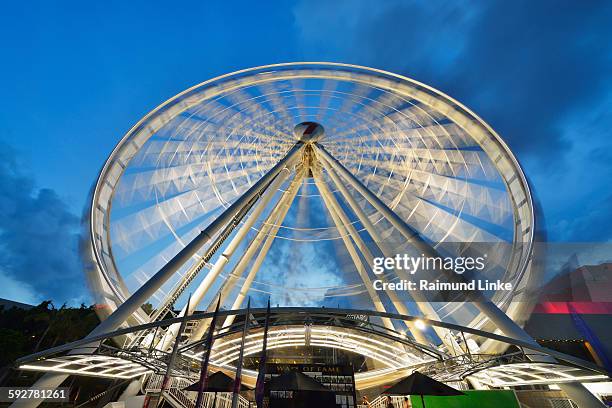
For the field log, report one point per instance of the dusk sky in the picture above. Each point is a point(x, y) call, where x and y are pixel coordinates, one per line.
point(77, 75)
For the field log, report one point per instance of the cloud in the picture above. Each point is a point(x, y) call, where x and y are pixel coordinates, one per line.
point(577, 193)
point(536, 71)
point(38, 239)
point(299, 272)
point(594, 223)
point(18, 291)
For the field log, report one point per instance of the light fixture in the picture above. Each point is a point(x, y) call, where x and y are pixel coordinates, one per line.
point(419, 324)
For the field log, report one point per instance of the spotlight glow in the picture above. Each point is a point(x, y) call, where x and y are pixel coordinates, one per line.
point(419, 324)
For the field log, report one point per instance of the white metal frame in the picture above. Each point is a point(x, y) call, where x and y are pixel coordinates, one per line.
point(126, 308)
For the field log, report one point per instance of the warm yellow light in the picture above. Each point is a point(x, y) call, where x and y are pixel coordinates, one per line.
point(419, 324)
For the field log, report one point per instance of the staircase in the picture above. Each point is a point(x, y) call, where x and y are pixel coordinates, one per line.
point(178, 398)
point(381, 401)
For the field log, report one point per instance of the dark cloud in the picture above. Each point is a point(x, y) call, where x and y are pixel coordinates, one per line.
point(536, 71)
point(38, 239)
point(530, 67)
point(594, 223)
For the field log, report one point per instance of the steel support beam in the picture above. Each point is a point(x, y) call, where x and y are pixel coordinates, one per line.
point(270, 235)
point(421, 302)
point(267, 226)
point(224, 258)
point(367, 224)
point(138, 298)
point(131, 390)
point(576, 391)
point(346, 231)
point(583, 397)
point(315, 311)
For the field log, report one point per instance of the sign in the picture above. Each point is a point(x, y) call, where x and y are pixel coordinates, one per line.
point(338, 378)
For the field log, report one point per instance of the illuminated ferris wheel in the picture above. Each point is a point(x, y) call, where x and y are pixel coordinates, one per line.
point(287, 182)
point(375, 140)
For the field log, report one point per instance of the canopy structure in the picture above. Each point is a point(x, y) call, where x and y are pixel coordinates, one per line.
point(291, 182)
point(397, 354)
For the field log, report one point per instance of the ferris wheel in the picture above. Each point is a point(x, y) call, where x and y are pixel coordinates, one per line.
point(437, 166)
point(287, 182)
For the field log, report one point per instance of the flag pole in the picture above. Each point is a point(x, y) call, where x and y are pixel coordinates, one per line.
point(172, 359)
point(206, 357)
point(261, 376)
point(237, 380)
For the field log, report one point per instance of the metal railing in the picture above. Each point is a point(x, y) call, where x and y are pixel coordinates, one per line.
point(175, 395)
point(381, 402)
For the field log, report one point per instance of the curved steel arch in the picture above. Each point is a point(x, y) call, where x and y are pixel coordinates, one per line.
point(307, 314)
point(486, 368)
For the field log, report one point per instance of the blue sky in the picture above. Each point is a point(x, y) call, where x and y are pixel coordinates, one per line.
point(77, 75)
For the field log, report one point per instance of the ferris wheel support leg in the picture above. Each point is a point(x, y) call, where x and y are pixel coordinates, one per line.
point(264, 231)
point(131, 390)
point(342, 223)
point(407, 231)
point(270, 236)
point(127, 308)
point(427, 310)
point(365, 221)
point(576, 391)
point(225, 256)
